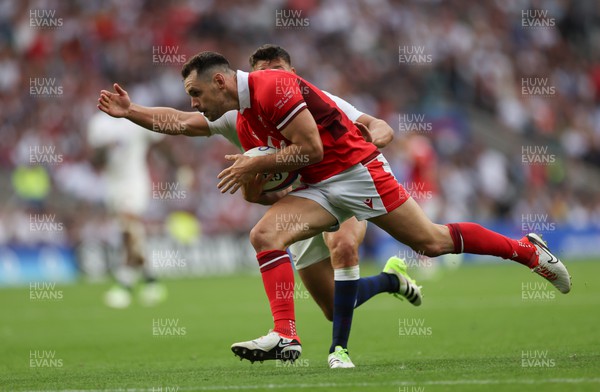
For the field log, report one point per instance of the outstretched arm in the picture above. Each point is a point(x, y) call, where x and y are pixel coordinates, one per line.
point(158, 119)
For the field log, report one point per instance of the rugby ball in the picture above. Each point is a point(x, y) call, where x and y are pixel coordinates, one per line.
point(279, 181)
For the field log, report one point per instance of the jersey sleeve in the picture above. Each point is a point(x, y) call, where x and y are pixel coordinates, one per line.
point(280, 95)
point(226, 126)
point(348, 109)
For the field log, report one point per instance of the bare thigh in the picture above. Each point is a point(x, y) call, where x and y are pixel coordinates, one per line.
point(409, 225)
point(289, 220)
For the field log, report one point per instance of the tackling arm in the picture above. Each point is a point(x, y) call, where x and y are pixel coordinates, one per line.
point(381, 133)
point(377, 131)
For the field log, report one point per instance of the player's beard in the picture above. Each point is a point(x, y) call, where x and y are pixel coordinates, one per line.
point(214, 114)
point(218, 113)
point(211, 116)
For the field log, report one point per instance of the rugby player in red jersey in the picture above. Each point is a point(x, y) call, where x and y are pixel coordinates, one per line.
point(313, 257)
point(342, 175)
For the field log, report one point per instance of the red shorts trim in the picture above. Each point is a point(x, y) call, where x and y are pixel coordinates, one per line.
point(392, 194)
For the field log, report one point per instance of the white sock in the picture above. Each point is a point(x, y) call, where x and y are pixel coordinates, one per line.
point(348, 273)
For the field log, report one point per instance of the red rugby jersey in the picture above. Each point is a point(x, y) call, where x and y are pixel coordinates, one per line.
point(270, 99)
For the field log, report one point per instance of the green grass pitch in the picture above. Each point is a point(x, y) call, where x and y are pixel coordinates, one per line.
point(481, 328)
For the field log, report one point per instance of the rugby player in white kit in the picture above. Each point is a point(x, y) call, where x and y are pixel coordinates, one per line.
point(127, 191)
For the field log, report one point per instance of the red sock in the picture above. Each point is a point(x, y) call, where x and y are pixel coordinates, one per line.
point(278, 279)
point(473, 238)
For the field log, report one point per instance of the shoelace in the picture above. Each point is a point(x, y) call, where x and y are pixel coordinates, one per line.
point(342, 354)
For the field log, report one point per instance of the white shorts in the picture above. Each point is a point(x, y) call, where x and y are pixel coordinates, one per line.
point(308, 252)
point(128, 198)
point(365, 190)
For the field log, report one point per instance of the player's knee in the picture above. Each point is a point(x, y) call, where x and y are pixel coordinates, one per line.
point(258, 238)
point(263, 239)
point(344, 252)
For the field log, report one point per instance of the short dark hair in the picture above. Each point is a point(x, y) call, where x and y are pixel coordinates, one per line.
point(269, 52)
point(202, 62)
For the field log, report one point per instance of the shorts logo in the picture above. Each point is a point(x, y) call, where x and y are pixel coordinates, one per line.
point(369, 202)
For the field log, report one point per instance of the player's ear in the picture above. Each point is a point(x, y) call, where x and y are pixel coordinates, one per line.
point(293, 70)
point(219, 80)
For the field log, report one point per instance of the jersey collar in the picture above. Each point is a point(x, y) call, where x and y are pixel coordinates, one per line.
point(243, 90)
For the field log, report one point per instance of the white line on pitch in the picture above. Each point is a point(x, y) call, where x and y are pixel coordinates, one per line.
point(339, 385)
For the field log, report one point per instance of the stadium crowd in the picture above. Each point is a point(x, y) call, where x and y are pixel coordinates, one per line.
point(532, 67)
